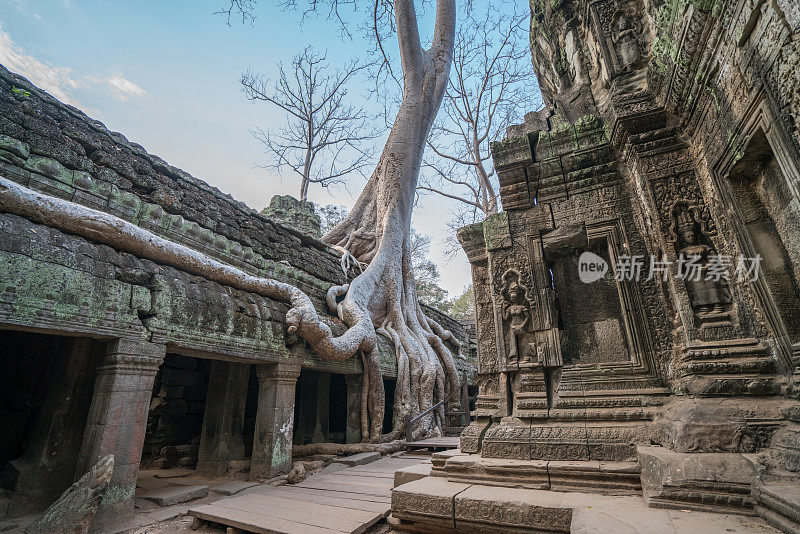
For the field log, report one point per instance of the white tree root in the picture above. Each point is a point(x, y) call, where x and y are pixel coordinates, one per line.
point(122, 235)
point(339, 449)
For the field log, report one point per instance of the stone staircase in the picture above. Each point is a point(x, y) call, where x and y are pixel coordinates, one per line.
point(459, 492)
point(591, 476)
point(779, 505)
point(776, 492)
point(434, 504)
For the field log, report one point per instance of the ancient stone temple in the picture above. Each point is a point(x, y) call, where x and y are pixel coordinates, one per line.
point(104, 350)
point(626, 342)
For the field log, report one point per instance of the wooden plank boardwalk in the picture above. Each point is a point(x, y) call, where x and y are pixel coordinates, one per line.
point(349, 501)
point(434, 444)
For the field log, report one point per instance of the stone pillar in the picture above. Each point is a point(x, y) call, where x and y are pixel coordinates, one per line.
point(222, 437)
point(47, 467)
point(117, 421)
point(353, 432)
point(294, 213)
point(272, 439)
point(322, 423)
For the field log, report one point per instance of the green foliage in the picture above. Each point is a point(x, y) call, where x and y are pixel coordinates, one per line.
point(462, 307)
point(427, 278)
point(20, 92)
point(426, 274)
point(330, 216)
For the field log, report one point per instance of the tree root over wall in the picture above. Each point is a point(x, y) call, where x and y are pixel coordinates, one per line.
point(302, 318)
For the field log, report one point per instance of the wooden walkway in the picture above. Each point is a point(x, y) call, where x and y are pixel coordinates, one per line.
point(434, 444)
point(350, 501)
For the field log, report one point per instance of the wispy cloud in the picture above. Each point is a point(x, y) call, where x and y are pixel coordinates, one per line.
point(61, 81)
point(23, 7)
point(58, 81)
point(124, 88)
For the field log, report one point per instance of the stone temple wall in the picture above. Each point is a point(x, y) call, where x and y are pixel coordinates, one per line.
point(57, 284)
point(670, 130)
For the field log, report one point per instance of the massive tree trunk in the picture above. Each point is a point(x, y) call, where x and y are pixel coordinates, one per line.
point(377, 232)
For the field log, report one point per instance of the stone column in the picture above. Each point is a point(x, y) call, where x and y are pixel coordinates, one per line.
point(353, 432)
point(322, 423)
point(272, 439)
point(118, 419)
point(222, 437)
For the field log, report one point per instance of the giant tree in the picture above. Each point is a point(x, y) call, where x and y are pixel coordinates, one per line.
point(377, 234)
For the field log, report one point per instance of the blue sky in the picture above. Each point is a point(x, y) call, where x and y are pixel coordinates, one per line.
point(166, 75)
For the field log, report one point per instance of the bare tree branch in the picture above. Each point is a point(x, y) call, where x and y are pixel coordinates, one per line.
point(244, 8)
point(490, 88)
point(319, 127)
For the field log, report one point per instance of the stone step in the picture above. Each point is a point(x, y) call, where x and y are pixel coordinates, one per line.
point(588, 476)
point(779, 505)
point(362, 458)
point(411, 473)
point(176, 494)
point(435, 504)
point(762, 365)
point(708, 482)
point(782, 523)
point(595, 476)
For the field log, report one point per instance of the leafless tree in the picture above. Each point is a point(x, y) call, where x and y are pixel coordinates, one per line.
point(490, 87)
point(377, 233)
point(324, 139)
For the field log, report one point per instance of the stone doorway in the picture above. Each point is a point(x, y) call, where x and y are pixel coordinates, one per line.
point(320, 408)
point(764, 205)
point(388, 414)
point(595, 333)
point(46, 384)
point(175, 417)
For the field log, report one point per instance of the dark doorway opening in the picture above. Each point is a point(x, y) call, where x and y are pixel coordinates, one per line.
point(311, 407)
point(175, 418)
point(472, 391)
point(388, 414)
point(337, 409)
point(250, 411)
point(46, 385)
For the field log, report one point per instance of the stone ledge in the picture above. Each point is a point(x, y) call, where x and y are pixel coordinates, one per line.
point(176, 494)
point(496, 509)
point(433, 504)
point(710, 482)
point(779, 505)
point(589, 476)
point(429, 500)
point(411, 473)
point(361, 458)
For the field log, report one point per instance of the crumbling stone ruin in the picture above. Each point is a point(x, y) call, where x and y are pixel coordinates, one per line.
point(671, 131)
point(106, 351)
